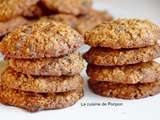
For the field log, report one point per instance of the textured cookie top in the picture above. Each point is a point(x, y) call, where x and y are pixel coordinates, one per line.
point(90, 20)
point(41, 39)
point(74, 7)
point(124, 33)
point(10, 25)
point(13, 8)
point(63, 18)
point(130, 74)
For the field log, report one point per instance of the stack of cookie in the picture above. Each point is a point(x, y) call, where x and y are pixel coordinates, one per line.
point(44, 68)
point(121, 59)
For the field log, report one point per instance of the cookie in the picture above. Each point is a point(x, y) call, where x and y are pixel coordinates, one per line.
point(68, 65)
point(33, 12)
point(92, 19)
point(74, 7)
point(40, 84)
point(63, 18)
point(12, 8)
point(40, 40)
point(130, 74)
point(124, 33)
point(110, 57)
point(124, 91)
point(34, 102)
point(10, 25)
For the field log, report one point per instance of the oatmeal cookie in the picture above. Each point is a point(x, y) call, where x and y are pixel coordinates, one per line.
point(34, 102)
point(40, 84)
point(74, 7)
point(130, 74)
point(12, 8)
point(110, 57)
point(63, 18)
point(90, 20)
point(124, 91)
point(68, 65)
point(10, 25)
point(40, 40)
point(124, 33)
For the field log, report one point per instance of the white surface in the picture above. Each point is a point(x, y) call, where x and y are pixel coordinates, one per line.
point(144, 109)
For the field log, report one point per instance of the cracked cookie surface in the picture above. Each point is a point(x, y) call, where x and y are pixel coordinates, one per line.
point(124, 33)
point(41, 39)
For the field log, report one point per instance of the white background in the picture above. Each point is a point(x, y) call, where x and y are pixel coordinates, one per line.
point(143, 109)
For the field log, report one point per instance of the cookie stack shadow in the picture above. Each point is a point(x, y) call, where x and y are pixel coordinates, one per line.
point(120, 61)
point(44, 67)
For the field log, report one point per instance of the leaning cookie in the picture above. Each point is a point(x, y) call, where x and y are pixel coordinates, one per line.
point(34, 102)
point(63, 18)
point(124, 91)
point(40, 84)
point(124, 33)
point(91, 19)
point(67, 65)
point(130, 74)
point(12, 8)
point(75, 7)
point(110, 57)
point(10, 25)
point(41, 39)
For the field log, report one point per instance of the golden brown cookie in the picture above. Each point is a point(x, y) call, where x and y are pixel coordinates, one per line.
point(74, 7)
point(68, 65)
point(40, 84)
point(124, 91)
point(41, 39)
point(63, 18)
point(110, 57)
point(10, 25)
point(34, 102)
point(124, 33)
point(130, 74)
point(33, 12)
point(92, 19)
point(12, 8)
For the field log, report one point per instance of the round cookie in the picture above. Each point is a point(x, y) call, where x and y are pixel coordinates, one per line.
point(33, 12)
point(124, 33)
point(40, 40)
point(124, 91)
point(12, 8)
point(74, 7)
point(110, 57)
point(40, 84)
point(68, 65)
point(90, 20)
point(63, 18)
point(130, 74)
point(10, 25)
point(34, 102)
